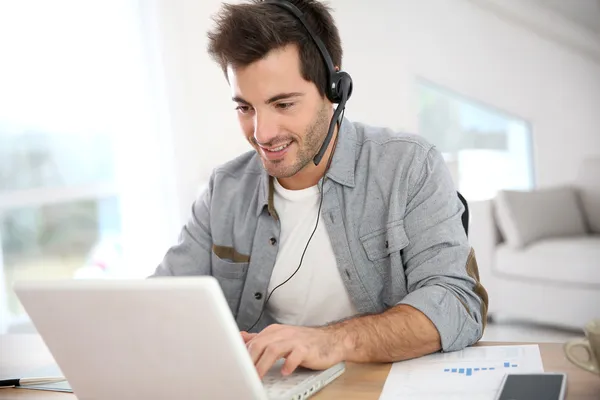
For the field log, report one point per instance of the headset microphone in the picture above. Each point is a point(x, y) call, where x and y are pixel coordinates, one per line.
point(337, 118)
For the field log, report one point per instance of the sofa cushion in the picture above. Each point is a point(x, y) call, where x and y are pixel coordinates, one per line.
point(528, 216)
point(589, 190)
point(566, 261)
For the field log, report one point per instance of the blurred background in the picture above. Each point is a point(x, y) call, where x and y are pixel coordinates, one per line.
point(112, 117)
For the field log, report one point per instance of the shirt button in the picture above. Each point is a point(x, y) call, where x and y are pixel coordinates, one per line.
point(273, 241)
point(258, 295)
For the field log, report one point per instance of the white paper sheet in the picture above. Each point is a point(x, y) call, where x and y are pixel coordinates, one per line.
point(473, 373)
point(54, 387)
point(48, 370)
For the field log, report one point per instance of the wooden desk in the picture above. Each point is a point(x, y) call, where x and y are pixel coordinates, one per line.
point(22, 353)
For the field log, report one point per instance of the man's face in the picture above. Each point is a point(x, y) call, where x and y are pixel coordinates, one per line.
point(283, 116)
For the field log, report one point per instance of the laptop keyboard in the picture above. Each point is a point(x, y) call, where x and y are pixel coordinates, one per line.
point(276, 385)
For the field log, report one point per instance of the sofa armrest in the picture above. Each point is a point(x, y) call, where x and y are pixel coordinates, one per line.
point(484, 236)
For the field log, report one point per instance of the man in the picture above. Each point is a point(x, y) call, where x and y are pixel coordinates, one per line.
point(360, 257)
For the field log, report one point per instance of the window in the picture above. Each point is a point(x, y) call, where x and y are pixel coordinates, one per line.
point(77, 133)
point(485, 149)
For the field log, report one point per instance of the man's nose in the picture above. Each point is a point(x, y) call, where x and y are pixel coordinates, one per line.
point(265, 129)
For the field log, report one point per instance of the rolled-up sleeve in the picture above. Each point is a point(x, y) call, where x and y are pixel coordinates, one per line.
point(441, 269)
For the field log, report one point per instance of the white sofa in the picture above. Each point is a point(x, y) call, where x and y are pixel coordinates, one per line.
point(539, 251)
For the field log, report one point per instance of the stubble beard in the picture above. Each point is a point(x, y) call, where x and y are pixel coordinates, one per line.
point(313, 139)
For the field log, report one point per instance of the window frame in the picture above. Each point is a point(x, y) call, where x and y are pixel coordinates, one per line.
point(454, 94)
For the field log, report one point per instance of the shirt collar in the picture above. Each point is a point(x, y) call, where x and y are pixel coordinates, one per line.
point(342, 166)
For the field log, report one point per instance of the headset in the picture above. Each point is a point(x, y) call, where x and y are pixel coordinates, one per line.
point(339, 83)
point(338, 91)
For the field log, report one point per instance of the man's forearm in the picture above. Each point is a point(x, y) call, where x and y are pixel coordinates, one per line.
point(400, 333)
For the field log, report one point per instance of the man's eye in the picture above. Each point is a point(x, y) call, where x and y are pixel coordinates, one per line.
point(243, 109)
point(284, 106)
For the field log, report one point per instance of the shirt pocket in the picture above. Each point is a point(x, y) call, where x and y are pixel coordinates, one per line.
point(231, 276)
point(381, 242)
point(382, 246)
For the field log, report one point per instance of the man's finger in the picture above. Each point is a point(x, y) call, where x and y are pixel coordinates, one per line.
point(261, 340)
point(292, 361)
point(256, 348)
point(272, 353)
point(248, 336)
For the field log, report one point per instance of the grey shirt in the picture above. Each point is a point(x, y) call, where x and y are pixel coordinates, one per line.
point(393, 217)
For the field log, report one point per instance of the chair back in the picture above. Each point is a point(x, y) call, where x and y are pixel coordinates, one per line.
point(465, 214)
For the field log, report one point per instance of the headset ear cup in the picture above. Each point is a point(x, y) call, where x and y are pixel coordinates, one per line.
point(332, 89)
point(343, 82)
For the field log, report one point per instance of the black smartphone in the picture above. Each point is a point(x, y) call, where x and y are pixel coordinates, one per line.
point(542, 386)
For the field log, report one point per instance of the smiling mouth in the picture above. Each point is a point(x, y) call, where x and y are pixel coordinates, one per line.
point(276, 149)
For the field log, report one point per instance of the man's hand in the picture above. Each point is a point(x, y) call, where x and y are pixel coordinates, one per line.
point(399, 333)
point(313, 348)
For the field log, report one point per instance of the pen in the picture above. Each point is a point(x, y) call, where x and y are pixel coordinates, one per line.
point(30, 381)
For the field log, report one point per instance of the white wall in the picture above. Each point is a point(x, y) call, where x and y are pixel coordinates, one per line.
point(203, 122)
point(388, 43)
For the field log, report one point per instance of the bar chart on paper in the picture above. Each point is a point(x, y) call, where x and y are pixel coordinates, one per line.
point(473, 373)
point(472, 370)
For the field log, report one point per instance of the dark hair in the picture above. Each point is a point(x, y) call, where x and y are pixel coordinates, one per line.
point(245, 33)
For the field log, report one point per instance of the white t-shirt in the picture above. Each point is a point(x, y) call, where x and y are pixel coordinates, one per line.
point(316, 295)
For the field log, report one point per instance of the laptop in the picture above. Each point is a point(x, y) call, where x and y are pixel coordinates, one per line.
point(159, 338)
